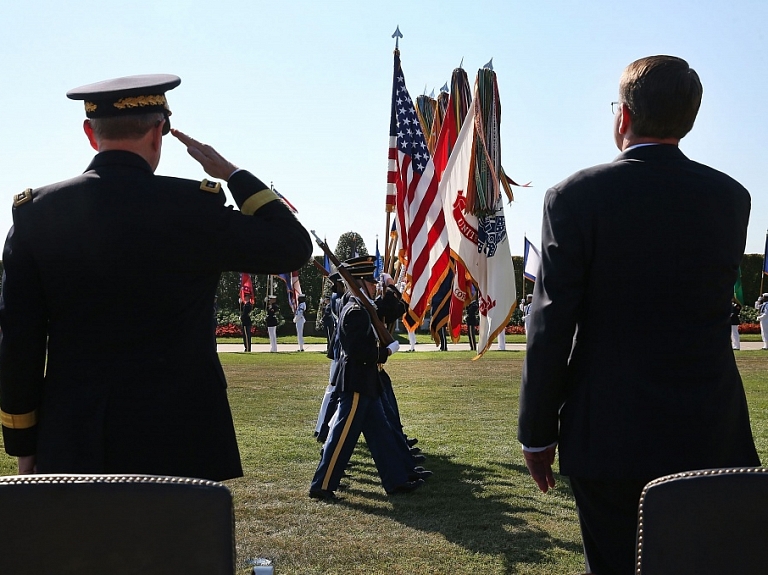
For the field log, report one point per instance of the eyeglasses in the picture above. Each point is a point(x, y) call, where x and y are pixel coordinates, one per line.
point(615, 107)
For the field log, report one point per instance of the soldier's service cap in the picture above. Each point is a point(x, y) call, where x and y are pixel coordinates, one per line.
point(142, 94)
point(335, 277)
point(362, 267)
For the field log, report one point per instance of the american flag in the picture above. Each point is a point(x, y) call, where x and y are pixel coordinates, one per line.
point(420, 219)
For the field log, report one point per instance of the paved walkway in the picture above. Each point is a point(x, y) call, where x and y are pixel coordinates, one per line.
point(320, 347)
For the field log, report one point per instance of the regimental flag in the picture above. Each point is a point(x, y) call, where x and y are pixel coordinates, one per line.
point(738, 290)
point(327, 263)
point(420, 219)
point(378, 263)
point(454, 105)
point(285, 201)
point(531, 261)
point(460, 297)
point(765, 257)
point(246, 288)
point(440, 306)
point(292, 288)
point(481, 244)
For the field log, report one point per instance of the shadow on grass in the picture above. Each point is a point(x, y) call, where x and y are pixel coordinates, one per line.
point(483, 509)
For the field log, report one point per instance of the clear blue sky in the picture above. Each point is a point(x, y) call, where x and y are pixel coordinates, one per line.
point(299, 92)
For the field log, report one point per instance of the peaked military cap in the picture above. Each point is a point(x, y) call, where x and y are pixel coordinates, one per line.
point(361, 267)
point(143, 94)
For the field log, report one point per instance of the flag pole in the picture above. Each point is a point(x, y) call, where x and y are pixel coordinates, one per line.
point(386, 245)
point(391, 200)
point(765, 254)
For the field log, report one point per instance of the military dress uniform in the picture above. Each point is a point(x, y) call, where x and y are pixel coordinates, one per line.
point(246, 323)
point(360, 408)
point(153, 401)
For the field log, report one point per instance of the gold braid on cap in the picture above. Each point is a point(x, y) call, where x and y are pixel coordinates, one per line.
point(139, 101)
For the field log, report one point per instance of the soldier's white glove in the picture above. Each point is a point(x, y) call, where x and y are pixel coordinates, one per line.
point(393, 347)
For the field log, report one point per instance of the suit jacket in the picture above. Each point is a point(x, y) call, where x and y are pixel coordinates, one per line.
point(625, 395)
point(120, 239)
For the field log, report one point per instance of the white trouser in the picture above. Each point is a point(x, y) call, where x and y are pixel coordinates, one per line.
point(412, 340)
point(764, 331)
point(323, 408)
point(735, 339)
point(502, 341)
point(300, 332)
point(272, 330)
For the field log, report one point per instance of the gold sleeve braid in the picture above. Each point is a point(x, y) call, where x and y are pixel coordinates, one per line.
point(257, 201)
point(22, 421)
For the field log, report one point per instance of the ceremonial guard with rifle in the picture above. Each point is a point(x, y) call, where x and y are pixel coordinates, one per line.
point(364, 346)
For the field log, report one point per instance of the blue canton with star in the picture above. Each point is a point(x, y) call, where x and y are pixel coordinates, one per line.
point(410, 138)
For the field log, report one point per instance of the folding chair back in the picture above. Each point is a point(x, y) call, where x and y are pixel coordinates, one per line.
point(708, 522)
point(116, 524)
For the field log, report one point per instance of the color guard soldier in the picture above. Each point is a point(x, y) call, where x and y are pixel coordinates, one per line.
point(153, 401)
point(360, 409)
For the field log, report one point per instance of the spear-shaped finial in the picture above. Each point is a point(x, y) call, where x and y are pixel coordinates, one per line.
point(397, 35)
point(445, 88)
point(461, 64)
point(432, 94)
point(489, 65)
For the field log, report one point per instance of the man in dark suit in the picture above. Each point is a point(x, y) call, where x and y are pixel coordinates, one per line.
point(153, 401)
point(623, 408)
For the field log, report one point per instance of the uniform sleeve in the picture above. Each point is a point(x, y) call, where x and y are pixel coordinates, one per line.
point(264, 236)
point(24, 323)
point(557, 297)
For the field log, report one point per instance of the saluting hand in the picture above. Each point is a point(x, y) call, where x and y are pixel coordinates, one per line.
point(213, 163)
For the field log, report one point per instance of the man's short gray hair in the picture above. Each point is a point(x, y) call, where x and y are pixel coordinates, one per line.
point(130, 127)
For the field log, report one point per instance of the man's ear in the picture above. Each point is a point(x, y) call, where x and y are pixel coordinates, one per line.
point(157, 136)
point(88, 129)
point(625, 120)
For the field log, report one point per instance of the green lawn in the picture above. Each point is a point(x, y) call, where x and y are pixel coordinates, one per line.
point(479, 513)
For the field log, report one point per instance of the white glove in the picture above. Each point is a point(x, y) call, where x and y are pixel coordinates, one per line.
point(393, 347)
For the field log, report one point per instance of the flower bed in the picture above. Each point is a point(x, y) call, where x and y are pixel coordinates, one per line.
point(232, 330)
point(510, 329)
point(749, 328)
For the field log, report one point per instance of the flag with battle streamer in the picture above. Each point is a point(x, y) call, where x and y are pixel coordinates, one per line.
point(472, 200)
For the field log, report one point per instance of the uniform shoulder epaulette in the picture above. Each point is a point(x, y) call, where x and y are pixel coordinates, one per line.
point(22, 198)
point(212, 187)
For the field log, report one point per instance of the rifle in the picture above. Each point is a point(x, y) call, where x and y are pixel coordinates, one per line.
point(384, 336)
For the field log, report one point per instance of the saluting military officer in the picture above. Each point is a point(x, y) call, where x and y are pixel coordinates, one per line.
point(155, 400)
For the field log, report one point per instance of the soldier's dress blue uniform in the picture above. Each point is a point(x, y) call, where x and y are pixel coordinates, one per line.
point(154, 399)
point(359, 406)
point(361, 409)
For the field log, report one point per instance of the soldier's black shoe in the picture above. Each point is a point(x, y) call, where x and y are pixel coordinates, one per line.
point(421, 474)
point(322, 494)
point(411, 441)
point(419, 458)
point(406, 487)
point(415, 450)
